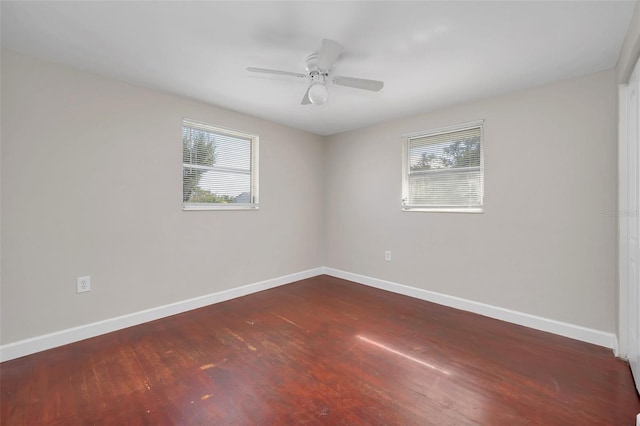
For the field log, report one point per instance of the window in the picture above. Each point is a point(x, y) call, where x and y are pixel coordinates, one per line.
point(219, 168)
point(443, 169)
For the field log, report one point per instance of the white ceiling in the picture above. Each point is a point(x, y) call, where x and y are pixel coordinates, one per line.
point(429, 54)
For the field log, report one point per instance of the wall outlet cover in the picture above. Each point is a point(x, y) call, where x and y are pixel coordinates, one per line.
point(83, 284)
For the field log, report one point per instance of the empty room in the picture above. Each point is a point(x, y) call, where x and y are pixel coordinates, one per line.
point(385, 213)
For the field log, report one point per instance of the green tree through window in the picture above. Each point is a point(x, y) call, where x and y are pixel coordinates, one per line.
point(219, 168)
point(460, 153)
point(198, 148)
point(443, 169)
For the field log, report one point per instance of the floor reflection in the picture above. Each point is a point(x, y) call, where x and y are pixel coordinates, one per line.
point(402, 354)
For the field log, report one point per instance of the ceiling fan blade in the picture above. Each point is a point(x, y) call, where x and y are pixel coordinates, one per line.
point(306, 100)
point(329, 52)
point(267, 71)
point(359, 83)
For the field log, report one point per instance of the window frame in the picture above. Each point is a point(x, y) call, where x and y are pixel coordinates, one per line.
point(406, 139)
point(254, 168)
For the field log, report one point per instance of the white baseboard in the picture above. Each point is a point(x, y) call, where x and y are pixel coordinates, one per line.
point(577, 332)
point(63, 337)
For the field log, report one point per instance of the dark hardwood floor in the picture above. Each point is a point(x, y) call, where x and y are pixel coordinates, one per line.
point(321, 351)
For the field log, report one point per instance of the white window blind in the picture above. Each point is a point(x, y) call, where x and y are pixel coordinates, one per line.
point(443, 169)
point(219, 168)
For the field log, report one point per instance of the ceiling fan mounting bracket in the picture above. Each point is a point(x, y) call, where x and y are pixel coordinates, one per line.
point(318, 77)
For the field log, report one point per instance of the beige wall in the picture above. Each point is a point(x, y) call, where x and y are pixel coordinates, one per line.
point(91, 185)
point(544, 245)
point(80, 152)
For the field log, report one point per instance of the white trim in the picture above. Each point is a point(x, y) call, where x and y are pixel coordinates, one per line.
point(623, 249)
point(572, 331)
point(446, 129)
point(190, 207)
point(70, 335)
point(444, 209)
point(218, 129)
point(75, 334)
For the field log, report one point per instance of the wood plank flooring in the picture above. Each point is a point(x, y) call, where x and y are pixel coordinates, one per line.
point(321, 351)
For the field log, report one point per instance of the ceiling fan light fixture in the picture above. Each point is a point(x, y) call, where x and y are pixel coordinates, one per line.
point(318, 93)
point(319, 67)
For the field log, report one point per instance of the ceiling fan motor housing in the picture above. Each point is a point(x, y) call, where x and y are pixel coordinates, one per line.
point(312, 66)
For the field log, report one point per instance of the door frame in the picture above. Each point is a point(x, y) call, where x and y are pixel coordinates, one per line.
point(622, 349)
point(626, 312)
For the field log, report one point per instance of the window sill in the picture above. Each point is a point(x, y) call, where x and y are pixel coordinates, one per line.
point(220, 207)
point(444, 209)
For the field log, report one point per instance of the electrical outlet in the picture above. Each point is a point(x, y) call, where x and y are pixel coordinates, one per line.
point(83, 284)
point(387, 256)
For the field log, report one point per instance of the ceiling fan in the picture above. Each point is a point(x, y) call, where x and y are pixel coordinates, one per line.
point(318, 67)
